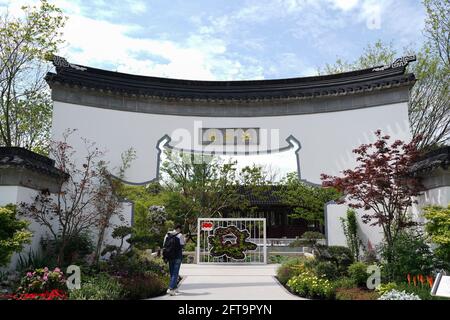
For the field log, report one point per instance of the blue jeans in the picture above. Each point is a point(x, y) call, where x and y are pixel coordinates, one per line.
point(174, 269)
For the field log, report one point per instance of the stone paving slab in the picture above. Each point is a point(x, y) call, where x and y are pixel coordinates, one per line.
point(230, 282)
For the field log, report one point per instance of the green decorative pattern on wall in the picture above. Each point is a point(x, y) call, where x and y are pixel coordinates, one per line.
point(230, 242)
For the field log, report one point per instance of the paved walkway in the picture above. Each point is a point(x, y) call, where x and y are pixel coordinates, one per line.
point(225, 282)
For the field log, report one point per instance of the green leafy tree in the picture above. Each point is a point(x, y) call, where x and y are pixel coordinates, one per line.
point(199, 186)
point(376, 54)
point(26, 43)
point(307, 201)
point(152, 219)
point(437, 227)
point(350, 227)
point(430, 96)
point(429, 113)
point(14, 233)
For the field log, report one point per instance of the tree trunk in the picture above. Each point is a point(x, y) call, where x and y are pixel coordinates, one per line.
point(60, 258)
point(101, 235)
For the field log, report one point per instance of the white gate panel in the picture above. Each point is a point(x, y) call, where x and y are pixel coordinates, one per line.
point(231, 241)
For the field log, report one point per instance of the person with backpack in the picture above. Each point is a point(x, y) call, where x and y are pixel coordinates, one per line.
point(173, 254)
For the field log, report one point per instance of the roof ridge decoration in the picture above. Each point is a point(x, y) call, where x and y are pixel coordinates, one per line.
point(62, 62)
point(397, 63)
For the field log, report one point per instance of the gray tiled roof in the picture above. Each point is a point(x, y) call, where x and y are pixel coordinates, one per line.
point(433, 159)
point(365, 80)
point(23, 158)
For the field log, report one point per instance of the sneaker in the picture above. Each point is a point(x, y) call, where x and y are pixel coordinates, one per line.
point(168, 290)
point(173, 293)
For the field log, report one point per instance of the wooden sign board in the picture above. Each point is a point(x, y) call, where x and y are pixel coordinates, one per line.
point(441, 286)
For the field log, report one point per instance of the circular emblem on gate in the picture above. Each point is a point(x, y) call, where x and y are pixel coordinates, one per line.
point(230, 242)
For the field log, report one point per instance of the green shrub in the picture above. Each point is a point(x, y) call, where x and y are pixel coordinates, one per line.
point(278, 258)
point(190, 246)
point(14, 233)
point(438, 228)
point(423, 291)
point(34, 260)
point(290, 268)
point(297, 243)
point(326, 269)
point(358, 273)
point(309, 285)
point(143, 286)
point(309, 238)
point(344, 283)
point(386, 287)
point(132, 263)
point(100, 287)
point(75, 250)
point(410, 254)
point(341, 256)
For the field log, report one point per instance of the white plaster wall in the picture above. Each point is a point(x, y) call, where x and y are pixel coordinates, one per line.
point(335, 233)
point(18, 194)
point(333, 227)
point(327, 139)
point(126, 211)
point(8, 194)
point(437, 196)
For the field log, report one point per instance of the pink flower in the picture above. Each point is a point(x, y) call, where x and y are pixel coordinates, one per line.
point(45, 269)
point(57, 269)
point(45, 277)
point(29, 274)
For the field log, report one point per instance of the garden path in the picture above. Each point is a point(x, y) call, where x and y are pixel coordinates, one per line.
point(230, 282)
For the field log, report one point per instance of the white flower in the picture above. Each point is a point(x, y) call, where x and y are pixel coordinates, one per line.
point(398, 295)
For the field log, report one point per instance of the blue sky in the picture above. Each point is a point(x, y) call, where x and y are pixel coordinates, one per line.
point(228, 39)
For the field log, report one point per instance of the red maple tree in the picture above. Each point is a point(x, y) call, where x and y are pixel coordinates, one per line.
point(381, 184)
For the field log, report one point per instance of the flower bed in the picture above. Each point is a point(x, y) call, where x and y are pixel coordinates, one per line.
point(42, 280)
point(310, 286)
point(55, 294)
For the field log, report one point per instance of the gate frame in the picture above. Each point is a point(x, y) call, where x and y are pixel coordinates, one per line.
point(199, 220)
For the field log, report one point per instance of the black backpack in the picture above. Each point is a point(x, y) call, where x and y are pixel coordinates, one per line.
point(172, 246)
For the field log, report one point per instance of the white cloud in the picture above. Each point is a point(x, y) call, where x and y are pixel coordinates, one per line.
point(200, 56)
point(370, 13)
point(344, 5)
point(137, 7)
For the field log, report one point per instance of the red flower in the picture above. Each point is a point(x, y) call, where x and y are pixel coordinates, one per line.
point(48, 295)
point(430, 281)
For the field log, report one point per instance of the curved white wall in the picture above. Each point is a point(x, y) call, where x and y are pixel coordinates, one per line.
point(326, 139)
